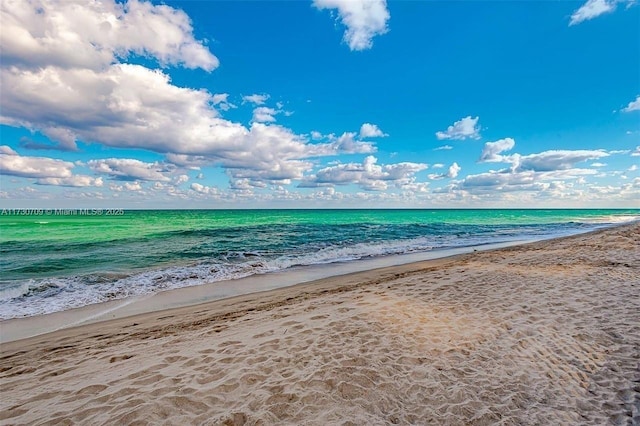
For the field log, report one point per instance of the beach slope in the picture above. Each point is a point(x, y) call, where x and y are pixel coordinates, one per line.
point(542, 333)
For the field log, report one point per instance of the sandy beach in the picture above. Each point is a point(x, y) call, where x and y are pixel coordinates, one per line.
point(542, 333)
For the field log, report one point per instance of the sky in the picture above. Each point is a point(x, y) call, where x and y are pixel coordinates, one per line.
point(320, 104)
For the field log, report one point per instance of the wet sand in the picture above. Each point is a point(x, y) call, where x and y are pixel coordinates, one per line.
point(542, 333)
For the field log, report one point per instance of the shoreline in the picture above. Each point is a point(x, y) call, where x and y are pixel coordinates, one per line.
point(39, 284)
point(14, 329)
point(246, 290)
point(22, 328)
point(538, 333)
point(250, 289)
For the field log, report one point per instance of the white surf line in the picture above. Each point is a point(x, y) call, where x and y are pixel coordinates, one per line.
point(21, 328)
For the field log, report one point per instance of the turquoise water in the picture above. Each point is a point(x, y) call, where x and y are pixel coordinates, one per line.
point(57, 260)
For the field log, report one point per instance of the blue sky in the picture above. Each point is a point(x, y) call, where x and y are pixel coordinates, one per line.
point(326, 103)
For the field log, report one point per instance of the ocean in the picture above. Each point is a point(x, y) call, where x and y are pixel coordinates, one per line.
point(54, 260)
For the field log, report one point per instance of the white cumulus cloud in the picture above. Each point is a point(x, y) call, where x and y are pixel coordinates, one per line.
point(133, 186)
point(465, 128)
point(33, 167)
point(452, 172)
point(364, 20)
point(555, 159)
point(180, 179)
point(46, 171)
point(203, 189)
point(264, 115)
point(368, 175)
point(492, 150)
point(369, 130)
point(127, 106)
point(346, 143)
point(454, 169)
point(95, 34)
point(255, 99)
point(545, 161)
point(592, 9)
point(130, 169)
point(7, 150)
point(73, 181)
point(221, 100)
point(633, 105)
